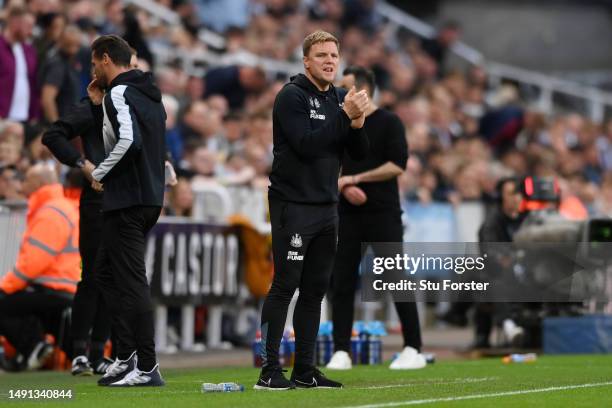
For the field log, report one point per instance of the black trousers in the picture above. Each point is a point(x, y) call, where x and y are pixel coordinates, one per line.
point(304, 241)
point(355, 229)
point(26, 316)
point(122, 278)
point(88, 309)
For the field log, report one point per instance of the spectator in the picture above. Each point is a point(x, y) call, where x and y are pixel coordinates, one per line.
point(570, 206)
point(218, 103)
point(235, 83)
point(603, 204)
point(52, 25)
point(10, 183)
point(203, 124)
point(180, 199)
point(234, 127)
point(222, 14)
point(236, 171)
point(194, 89)
point(43, 281)
point(114, 18)
point(174, 140)
point(604, 146)
point(135, 37)
point(502, 125)
point(203, 162)
point(10, 149)
point(361, 13)
point(19, 97)
point(170, 81)
point(61, 85)
point(438, 47)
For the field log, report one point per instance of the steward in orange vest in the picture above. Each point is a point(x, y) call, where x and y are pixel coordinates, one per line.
point(43, 281)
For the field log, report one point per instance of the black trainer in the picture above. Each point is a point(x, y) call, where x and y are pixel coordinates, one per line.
point(137, 378)
point(100, 366)
point(118, 370)
point(81, 367)
point(273, 379)
point(313, 378)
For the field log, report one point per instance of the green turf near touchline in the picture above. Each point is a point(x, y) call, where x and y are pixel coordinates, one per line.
point(552, 381)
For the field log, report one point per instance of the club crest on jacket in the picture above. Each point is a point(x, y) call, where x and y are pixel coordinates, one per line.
point(296, 241)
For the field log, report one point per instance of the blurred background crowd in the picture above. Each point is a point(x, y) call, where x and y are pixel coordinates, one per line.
point(464, 132)
point(220, 64)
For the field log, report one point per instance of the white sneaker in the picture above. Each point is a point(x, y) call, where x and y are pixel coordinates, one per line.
point(340, 361)
point(138, 378)
point(514, 334)
point(408, 359)
point(81, 366)
point(39, 355)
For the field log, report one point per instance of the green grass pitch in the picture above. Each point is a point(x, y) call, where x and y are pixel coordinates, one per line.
point(552, 381)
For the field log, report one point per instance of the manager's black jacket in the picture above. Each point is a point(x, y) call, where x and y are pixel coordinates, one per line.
point(311, 133)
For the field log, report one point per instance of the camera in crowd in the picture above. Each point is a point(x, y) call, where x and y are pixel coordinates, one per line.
point(544, 223)
point(565, 261)
point(560, 247)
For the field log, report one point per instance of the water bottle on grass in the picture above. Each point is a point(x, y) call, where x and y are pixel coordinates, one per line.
point(222, 387)
point(520, 358)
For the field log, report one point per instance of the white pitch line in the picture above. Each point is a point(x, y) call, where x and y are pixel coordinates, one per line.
point(478, 396)
point(429, 382)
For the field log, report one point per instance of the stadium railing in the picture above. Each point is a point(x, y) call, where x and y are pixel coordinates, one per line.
point(597, 100)
point(162, 13)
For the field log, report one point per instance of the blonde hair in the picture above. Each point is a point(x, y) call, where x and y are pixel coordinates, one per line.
point(318, 37)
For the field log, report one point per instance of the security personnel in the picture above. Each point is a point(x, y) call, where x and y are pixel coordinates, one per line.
point(44, 279)
point(314, 124)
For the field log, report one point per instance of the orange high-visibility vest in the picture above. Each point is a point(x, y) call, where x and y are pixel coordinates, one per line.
point(49, 251)
point(572, 208)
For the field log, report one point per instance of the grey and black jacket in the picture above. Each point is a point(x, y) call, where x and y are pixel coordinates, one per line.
point(133, 132)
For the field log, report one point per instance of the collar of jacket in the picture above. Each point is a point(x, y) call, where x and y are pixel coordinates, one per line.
point(43, 195)
point(142, 81)
point(124, 77)
point(302, 81)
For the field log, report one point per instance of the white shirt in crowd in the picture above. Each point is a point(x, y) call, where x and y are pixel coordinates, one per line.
point(20, 104)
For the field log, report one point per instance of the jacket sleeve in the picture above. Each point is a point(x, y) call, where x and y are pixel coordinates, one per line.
point(75, 123)
point(125, 126)
point(47, 236)
point(293, 115)
point(356, 142)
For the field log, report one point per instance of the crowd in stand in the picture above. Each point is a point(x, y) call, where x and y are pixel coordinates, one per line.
point(463, 133)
